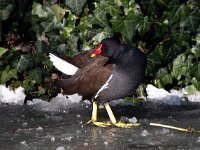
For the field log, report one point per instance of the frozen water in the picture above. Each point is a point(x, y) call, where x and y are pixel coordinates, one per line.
point(145, 133)
point(39, 129)
point(60, 148)
point(105, 143)
point(132, 120)
point(60, 123)
point(198, 139)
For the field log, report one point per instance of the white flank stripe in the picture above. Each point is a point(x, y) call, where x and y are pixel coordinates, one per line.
point(104, 86)
point(63, 65)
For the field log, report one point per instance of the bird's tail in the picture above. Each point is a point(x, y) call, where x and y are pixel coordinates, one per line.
point(63, 65)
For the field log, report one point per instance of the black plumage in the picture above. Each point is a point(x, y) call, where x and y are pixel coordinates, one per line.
point(115, 72)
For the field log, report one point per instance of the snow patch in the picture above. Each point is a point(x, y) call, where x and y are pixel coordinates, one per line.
point(173, 97)
point(63, 102)
point(60, 102)
point(162, 96)
point(17, 96)
point(12, 97)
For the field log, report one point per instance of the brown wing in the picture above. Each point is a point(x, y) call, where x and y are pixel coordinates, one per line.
point(88, 80)
point(79, 60)
point(83, 59)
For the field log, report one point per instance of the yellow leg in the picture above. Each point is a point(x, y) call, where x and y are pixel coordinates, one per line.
point(94, 117)
point(94, 111)
point(114, 121)
point(110, 113)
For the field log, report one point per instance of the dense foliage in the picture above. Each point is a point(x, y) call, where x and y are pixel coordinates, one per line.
point(168, 31)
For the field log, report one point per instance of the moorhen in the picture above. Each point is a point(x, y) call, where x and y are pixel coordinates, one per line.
point(115, 72)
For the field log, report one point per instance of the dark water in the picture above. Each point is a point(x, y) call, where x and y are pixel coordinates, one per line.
point(26, 127)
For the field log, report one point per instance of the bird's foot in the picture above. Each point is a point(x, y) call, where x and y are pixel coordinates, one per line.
point(100, 124)
point(126, 125)
point(112, 122)
point(109, 123)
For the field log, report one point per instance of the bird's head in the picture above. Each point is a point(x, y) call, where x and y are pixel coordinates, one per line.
point(108, 47)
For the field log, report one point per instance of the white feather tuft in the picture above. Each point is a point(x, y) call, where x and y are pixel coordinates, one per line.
point(63, 65)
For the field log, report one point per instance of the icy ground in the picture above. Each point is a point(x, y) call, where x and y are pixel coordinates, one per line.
point(154, 94)
point(60, 123)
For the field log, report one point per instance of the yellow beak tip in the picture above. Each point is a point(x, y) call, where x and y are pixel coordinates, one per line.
point(93, 55)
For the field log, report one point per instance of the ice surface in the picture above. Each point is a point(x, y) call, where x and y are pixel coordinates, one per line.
point(60, 148)
point(145, 133)
point(132, 120)
point(198, 139)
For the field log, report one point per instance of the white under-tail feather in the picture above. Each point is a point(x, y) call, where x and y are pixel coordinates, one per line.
point(63, 65)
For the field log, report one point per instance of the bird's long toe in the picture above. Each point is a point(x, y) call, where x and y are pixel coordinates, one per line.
point(126, 125)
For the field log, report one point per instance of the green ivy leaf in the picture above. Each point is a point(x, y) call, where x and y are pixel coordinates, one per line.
point(177, 12)
point(2, 51)
point(56, 38)
point(41, 90)
point(195, 70)
point(67, 31)
point(164, 76)
point(29, 85)
point(72, 43)
point(196, 83)
point(40, 46)
point(59, 12)
point(8, 74)
point(197, 38)
point(150, 6)
point(49, 24)
point(76, 6)
point(36, 75)
point(110, 7)
point(179, 68)
point(5, 13)
point(106, 33)
point(196, 50)
point(191, 22)
point(39, 11)
point(154, 59)
point(23, 63)
point(98, 17)
point(143, 26)
point(126, 25)
point(191, 89)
